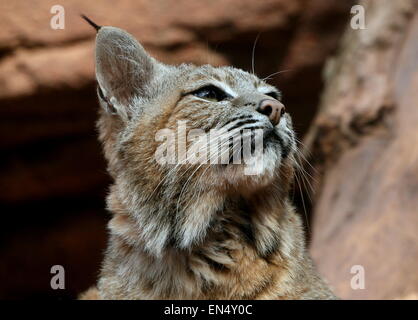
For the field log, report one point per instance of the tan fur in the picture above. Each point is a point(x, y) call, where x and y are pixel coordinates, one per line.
point(189, 231)
point(90, 294)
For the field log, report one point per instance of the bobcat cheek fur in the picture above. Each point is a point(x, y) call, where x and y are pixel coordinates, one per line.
point(188, 231)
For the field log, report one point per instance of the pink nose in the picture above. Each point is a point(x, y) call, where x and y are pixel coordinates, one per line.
point(273, 109)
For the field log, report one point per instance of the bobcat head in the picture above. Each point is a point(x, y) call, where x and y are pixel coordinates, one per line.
point(145, 102)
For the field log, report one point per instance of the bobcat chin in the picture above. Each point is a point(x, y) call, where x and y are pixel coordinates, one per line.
point(205, 229)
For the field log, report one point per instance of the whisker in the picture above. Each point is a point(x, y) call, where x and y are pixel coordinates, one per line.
point(253, 53)
point(275, 73)
point(303, 205)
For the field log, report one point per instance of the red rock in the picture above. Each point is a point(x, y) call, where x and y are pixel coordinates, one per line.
point(365, 149)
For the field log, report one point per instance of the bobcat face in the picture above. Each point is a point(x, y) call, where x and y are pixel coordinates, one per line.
point(146, 102)
point(238, 104)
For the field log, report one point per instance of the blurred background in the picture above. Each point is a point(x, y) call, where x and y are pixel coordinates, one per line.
point(352, 94)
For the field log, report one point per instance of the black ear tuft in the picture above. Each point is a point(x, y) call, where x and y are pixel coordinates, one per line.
point(90, 22)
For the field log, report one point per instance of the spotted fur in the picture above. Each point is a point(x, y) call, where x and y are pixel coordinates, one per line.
point(193, 231)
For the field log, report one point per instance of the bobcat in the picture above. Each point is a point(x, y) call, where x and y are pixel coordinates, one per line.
point(195, 231)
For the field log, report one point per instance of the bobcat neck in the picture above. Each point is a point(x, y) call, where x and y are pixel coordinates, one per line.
point(253, 249)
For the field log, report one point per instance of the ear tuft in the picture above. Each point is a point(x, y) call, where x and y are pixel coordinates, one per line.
point(90, 22)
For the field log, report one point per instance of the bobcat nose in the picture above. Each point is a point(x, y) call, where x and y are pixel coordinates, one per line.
point(272, 109)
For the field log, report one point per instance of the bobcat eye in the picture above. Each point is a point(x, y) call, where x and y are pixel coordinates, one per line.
point(210, 93)
point(274, 94)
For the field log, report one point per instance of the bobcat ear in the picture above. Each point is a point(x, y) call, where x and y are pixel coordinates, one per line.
point(123, 69)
